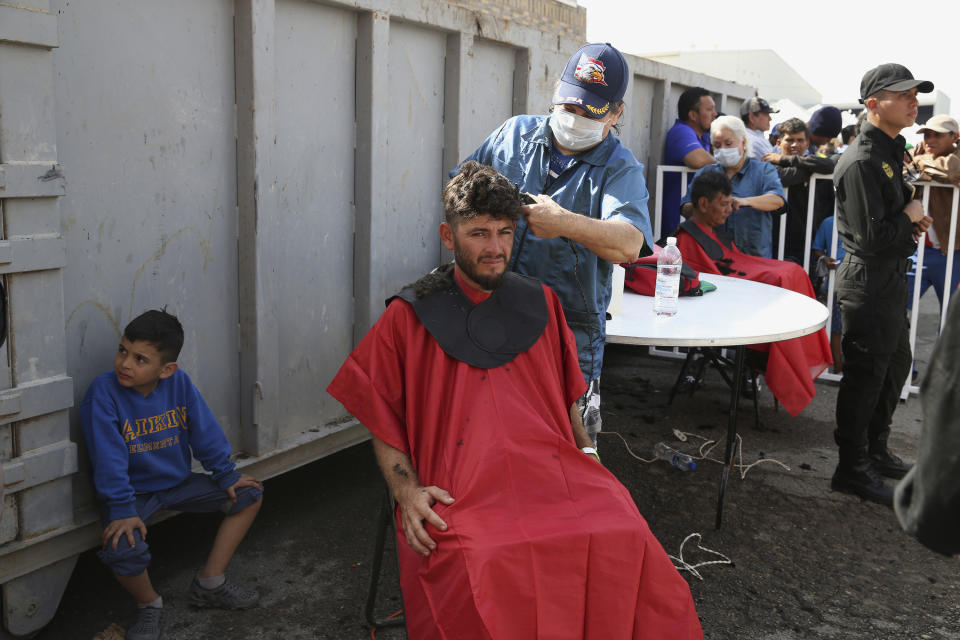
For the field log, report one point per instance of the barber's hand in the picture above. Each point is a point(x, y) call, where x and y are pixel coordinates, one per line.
point(737, 203)
point(546, 218)
point(123, 527)
point(914, 211)
point(416, 506)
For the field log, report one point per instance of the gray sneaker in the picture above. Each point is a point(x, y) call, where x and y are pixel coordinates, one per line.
point(148, 625)
point(229, 595)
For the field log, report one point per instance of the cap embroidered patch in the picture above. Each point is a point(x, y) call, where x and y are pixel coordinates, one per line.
point(597, 112)
point(590, 70)
point(886, 169)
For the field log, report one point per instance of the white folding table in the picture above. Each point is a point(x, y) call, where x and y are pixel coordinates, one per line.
point(739, 313)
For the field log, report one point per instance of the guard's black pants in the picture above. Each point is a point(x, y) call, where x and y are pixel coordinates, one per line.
point(876, 351)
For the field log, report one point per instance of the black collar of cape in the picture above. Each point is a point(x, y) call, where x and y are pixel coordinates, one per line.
point(485, 335)
point(711, 247)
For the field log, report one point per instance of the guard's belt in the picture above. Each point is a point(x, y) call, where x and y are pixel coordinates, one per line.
point(485, 335)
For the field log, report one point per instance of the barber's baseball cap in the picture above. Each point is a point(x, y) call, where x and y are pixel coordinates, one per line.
point(940, 124)
point(892, 77)
point(756, 105)
point(595, 77)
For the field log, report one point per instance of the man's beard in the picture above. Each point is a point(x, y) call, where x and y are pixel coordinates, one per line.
point(471, 270)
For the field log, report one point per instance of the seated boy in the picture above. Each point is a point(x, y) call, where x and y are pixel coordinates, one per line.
point(141, 422)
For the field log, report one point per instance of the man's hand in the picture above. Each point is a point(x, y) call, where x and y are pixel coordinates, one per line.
point(416, 505)
point(244, 481)
point(919, 228)
point(737, 203)
point(773, 157)
point(914, 211)
point(123, 526)
point(546, 218)
point(832, 263)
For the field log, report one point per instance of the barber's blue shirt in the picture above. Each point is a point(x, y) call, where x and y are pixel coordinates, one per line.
point(605, 183)
point(681, 140)
point(752, 229)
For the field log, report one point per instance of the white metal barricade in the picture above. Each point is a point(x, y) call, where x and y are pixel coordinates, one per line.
point(658, 233)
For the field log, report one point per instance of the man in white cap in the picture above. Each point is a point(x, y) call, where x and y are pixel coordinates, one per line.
point(591, 199)
point(937, 159)
point(755, 113)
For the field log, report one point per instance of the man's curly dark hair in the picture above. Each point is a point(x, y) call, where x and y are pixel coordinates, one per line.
point(479, 190)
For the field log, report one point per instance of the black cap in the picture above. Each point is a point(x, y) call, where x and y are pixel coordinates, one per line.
point(891, 77)
point(756, 105)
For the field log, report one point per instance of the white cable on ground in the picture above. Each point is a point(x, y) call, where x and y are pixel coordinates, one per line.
point(705, 449)
point(683, 565)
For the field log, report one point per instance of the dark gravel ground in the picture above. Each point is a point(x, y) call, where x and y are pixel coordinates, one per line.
point(806, 563)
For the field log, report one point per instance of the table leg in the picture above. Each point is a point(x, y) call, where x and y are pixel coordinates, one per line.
point(731, 429)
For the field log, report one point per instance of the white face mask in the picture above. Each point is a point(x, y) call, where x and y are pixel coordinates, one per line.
point(574, 132)
point(727, 157)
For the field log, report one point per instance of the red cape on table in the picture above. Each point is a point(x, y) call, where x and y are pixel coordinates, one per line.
point(794, 364)
point(542, 541)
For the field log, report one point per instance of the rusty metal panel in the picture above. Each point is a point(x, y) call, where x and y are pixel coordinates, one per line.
point(315, 170)
point(145, 134)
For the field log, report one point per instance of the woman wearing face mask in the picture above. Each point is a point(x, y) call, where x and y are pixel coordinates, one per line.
point(757, 192)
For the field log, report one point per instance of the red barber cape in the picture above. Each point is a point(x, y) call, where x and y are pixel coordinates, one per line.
point(794, 364)
point(542, 541)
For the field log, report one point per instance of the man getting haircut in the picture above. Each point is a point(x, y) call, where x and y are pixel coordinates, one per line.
point(508, 526)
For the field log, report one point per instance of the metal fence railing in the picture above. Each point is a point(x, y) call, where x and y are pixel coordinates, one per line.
point(809, 232)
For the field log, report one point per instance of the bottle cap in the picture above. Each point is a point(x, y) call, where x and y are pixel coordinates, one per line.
point(671, 241)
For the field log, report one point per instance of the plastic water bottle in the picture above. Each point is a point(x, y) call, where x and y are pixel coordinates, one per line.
point(667, 290)
point(677, 458)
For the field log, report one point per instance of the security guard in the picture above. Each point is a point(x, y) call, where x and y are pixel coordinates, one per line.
point(879, 223)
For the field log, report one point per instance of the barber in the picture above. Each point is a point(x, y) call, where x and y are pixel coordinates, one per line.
point(591, 208)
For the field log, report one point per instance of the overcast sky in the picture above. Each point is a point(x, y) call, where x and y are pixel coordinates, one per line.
point(830, 44)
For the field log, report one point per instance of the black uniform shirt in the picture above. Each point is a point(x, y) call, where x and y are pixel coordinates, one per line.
point(871, 196)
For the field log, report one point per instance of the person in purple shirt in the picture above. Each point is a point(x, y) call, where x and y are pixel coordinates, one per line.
point(687, 144)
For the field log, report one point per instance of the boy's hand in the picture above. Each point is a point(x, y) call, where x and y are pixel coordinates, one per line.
point(123, 526)
point(244, 481)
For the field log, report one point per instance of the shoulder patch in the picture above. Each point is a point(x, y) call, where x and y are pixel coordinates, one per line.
point(886, 169)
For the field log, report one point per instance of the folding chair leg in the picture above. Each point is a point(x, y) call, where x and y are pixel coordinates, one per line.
point(756, 409)
point(676, 383)
point(384, 525)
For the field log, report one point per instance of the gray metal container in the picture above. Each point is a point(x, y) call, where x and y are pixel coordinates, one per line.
point(267, 170)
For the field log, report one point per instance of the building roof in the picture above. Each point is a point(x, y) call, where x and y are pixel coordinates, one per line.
point(761, 68)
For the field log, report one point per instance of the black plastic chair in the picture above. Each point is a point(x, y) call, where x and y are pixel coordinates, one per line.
point(385, 525)
point(755, 361)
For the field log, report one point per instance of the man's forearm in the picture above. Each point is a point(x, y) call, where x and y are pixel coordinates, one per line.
point(765, 202)
point(613, 240)
point(397, 468)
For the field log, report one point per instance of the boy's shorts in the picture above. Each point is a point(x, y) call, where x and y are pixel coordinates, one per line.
point(197, 494)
